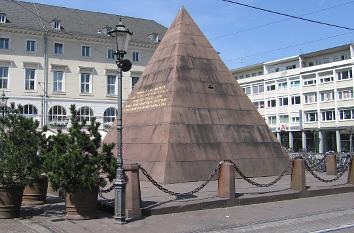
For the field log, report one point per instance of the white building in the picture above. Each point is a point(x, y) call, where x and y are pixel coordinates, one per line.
point(307, 100)
point(52, 57)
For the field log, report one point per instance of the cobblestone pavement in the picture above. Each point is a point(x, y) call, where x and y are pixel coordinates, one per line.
point(300, 215)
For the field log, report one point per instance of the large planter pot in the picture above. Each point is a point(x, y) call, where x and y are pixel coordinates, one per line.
point(82, 204)
point(35, 193)
point(10, 201)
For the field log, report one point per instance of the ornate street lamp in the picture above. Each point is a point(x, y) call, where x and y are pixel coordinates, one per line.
point(122, 36)
point(3, 103)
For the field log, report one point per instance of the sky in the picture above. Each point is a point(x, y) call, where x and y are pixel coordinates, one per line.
point(241, 35)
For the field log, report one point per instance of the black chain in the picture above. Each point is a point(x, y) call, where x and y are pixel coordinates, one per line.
point(340, 174)
point(243, 176)
point(177, 194)
point(101, 191)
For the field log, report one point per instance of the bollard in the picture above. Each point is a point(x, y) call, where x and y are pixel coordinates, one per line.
point(298, 178)
point(351, 172)
point(132, 191)
point(226, 181)
point(331, 165)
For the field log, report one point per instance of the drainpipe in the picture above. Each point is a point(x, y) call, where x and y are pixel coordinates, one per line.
point(45, 98)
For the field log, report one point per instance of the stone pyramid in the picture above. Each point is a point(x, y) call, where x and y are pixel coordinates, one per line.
point(187, 113)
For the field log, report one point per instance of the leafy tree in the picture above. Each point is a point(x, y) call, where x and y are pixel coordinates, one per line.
point(19, 141)
point(76, 160)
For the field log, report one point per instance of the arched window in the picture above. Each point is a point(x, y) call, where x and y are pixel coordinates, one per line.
point(85, 113)
point(109, 116)
point(57, 115)
point(29, 110)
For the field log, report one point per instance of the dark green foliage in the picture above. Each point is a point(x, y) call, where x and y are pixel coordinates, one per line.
point(73, 161)
point(19, 141)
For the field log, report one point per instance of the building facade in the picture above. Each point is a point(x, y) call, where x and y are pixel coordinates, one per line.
point(307, 100)
point(52, 57)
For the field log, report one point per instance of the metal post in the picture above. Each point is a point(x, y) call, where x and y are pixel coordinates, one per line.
point(351, 140)
point(121, 179)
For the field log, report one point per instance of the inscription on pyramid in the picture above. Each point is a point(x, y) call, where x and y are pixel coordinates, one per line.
point(187, 112)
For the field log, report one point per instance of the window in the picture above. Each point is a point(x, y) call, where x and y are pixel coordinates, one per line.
point(345, 94)
point(4, 77)
point(108, 116)
point(284, 119)
point(134, 81)
point(112, 88)
point(290, 67)
point(295, 83)
point(2, 18)
point(326, 79)
point(30, 79)
point(58, 48)
point(259, 104)
point(311, 116)
point(56, 24)
point(4, 43)
point(327, 96)
point(110, 54)
point(136, 56)
point(258, 88)
point(283, 101)
point(272, 120)
point(328, 115)
point(346, 74)
point(85, 83)
point(57, 115)
point(346, 114)
point(311, 63)
point(270, 87)
point(271, 103)
point(30, 45)
point(295, 100)
point(85, 114)
point(295, 119)
point(85, 51)
point(282, 85)
point(58, 81)
point(29, 110)
point(154, 37)
point(310, 98)
point(308, 82)
point(276, 69)
point(247, 90)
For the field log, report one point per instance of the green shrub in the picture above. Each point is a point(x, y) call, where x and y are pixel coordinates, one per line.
point(19, 141)
point(74, 160)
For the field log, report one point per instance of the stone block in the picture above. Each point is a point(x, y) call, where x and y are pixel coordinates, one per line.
point(226, 182)
point(132, 191)
point(331, 165)
point(298, 178)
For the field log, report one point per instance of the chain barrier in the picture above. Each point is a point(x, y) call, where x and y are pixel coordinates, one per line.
point(177, 194)
point(101, 191)
point(242, 175)
point(310, 170)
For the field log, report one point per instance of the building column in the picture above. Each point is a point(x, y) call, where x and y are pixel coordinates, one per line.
point(303, 138)
point(351, 142)
point(279, 137)
point(291, 140)
point(320, 144)
point(339, 149)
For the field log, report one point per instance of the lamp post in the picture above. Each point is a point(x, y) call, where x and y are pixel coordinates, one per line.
point(122, 36)
point(3, 103)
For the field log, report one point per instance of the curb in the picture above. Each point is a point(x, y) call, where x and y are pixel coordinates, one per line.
point(223, 202)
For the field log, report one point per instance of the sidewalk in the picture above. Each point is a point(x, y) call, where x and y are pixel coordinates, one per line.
point(154, 201)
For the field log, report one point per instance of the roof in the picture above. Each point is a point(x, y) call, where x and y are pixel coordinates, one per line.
point(24, 15)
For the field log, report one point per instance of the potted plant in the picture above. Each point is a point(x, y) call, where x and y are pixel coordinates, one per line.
point(18, 147)
point(75, 162)
point(35, 192)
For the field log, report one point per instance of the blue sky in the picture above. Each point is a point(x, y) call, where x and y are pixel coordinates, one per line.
point(236, 32)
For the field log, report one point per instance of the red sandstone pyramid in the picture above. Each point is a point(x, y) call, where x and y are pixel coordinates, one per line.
point(187, 113)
